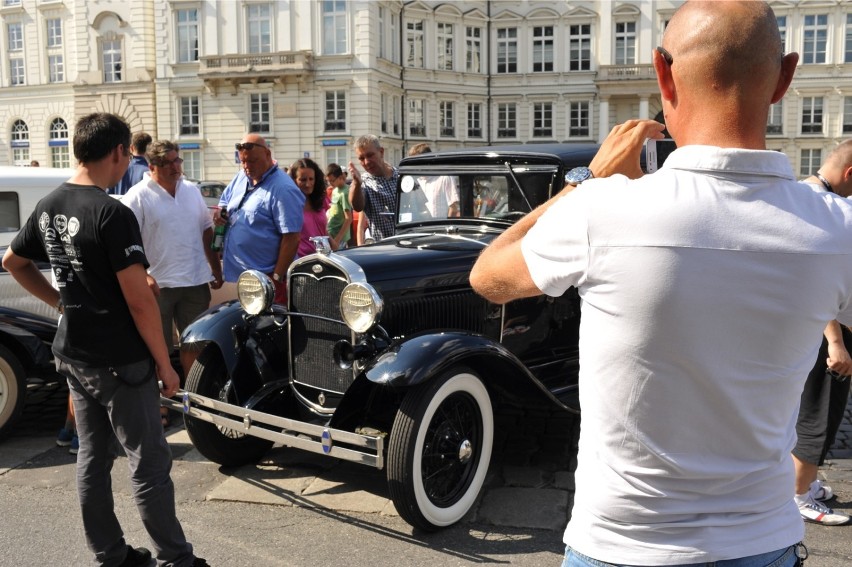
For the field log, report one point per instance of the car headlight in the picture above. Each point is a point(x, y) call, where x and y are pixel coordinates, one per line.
point(256, 291)
point(360, 306)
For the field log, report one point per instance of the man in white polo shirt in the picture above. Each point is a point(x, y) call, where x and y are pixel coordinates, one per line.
point(177, 229)
point(705, 288)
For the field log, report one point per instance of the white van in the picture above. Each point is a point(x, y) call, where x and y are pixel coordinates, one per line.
point(20, 189)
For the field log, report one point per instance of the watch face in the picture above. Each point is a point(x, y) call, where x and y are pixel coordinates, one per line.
point(578, 175)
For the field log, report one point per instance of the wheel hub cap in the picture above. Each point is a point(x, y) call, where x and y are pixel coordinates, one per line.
point(465, 451)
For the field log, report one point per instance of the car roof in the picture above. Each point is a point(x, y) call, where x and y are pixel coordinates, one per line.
point(568, 154)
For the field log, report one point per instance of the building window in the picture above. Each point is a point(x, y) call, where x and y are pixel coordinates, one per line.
point(20, 143)
point(847, 114)
point(16, 72)
point(58, 142)
point(55, 68)
point(782, 30)
point(507, 120)
point(382, 33)
point(383, 104)
point(15, 35)
point(187, 35)
point(507, 50)
point(625, 43)
point(111, 58)
point(394, 25)
point(816, 37)
point(335, 111)
point(445, 46)
point(447, 118)
point(8, 3)
point(414, 44)
point(775, 125)
point(338, 155)
point(54, 32)
point(192, 164)
point(190, 121)
point(812, 115)
point(259, 113)
point(579, 119)
point(416, 122)
point(543, 120)
point(259, 28)
point(580, 47)
point(334, 27)
point(809, 162)
point(542, 49)
point(473, 50)
point(474, 120)
point(397, 115)
point(848, 57)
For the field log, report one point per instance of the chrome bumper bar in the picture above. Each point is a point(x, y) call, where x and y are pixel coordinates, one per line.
point(345, 445)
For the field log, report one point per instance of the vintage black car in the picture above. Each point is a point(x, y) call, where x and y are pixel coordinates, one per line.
point(386, 356)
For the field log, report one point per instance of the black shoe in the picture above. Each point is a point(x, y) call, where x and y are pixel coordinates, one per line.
point(136, 557)
point(200, 563)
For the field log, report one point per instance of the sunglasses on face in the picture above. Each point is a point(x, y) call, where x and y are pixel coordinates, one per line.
point(248, 146)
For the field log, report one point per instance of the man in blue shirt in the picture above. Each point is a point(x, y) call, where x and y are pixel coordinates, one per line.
point(138, 164)
point(263, 209)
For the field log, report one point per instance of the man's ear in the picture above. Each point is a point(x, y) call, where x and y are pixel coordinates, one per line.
point(788, 68)
point(664, 77)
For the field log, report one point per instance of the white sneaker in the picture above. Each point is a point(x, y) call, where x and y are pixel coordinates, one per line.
point(821, 492)
point(819, 513)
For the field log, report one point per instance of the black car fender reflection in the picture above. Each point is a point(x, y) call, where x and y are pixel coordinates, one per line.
point(419, 358)
point(221, 325)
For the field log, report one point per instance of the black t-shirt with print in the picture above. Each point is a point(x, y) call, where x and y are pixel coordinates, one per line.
point(88, 236)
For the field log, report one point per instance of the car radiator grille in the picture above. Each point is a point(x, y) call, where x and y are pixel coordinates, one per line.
point(312, 340)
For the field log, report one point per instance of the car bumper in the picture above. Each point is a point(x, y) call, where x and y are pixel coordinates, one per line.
point(345, 445)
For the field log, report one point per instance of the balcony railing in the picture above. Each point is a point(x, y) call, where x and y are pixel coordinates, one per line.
point(626, 72)
point(255, 65)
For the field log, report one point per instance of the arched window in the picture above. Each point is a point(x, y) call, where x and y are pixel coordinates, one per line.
point(20, 143)
point(58, 142)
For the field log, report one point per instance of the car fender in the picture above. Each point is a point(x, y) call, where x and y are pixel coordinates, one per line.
point(27, 347)
point(223, 325)
point(421, 357)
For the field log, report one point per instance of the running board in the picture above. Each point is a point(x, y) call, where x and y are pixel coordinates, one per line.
point(346, 445)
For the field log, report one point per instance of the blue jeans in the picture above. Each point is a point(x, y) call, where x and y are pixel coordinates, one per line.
point(779, 558)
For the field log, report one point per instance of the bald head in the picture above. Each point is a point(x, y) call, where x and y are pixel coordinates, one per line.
point(837, 169)
point(729, 43)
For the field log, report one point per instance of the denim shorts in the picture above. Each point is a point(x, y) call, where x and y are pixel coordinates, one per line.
point(779, 558)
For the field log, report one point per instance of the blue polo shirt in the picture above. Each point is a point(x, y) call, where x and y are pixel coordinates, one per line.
point(258, 215)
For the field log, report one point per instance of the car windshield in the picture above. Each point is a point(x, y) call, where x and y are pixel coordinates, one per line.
point(474, 195)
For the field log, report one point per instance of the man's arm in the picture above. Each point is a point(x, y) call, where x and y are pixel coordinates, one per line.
point(356, 194)
point(146, 315)
point(361, 229)
point(30, 277)
point(212, 258)
point(838, 357)
point(501, 273)
point(286, 252)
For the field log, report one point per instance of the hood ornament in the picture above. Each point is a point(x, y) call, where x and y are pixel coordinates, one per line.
point(322, 244)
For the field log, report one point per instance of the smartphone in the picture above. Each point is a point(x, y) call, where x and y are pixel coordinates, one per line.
point(650, 155)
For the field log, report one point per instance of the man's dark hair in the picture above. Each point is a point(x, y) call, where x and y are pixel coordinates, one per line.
point(333, 169)
point(96, 135)
point(140, 142)
point(156, 154)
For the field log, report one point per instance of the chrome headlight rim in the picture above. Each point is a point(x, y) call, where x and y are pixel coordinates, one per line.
point(255, 291)
point(362, 320)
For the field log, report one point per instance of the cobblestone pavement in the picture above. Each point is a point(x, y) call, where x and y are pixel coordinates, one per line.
point(842, 448)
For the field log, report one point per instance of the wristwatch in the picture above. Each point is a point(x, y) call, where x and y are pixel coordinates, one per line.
point(276, 276)
point(578, 175)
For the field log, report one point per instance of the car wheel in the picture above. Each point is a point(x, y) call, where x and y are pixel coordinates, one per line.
point(13, 390)
point(208, 377)
point(439, 449)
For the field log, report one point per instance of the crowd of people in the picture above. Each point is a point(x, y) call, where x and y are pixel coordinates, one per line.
point(705, 286)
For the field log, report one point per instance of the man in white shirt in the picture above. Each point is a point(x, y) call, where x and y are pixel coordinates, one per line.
point(177, 229)
point(705, 288)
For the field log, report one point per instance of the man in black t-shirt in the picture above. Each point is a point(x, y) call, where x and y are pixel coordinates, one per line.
point(109, 344)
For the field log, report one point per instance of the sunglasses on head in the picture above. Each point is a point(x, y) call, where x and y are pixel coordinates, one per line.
point(248, 146)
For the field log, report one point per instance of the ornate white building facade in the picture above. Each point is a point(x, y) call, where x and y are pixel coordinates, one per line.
point(312, 75)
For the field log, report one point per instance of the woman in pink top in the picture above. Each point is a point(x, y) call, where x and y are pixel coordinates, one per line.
point(310, 179)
